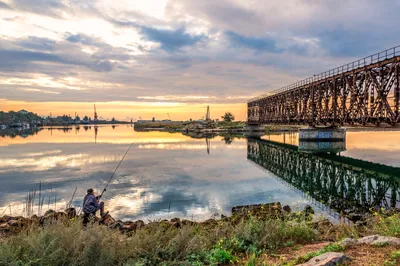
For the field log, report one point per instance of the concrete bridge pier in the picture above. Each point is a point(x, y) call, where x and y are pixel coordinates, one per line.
point(322, 134)
point(322, 140)
point(254, 131)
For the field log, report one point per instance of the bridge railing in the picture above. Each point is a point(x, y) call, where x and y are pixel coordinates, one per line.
point(371, 59)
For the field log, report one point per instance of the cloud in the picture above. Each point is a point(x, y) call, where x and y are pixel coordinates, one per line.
point(4, 5)
point(261, 44)
point(171, 40)
point(10, 57)
point(82, 39)
point(46, 7)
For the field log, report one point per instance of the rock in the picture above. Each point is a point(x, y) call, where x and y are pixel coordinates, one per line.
point(287, 209)
point(367, 240)
point(49, 212)
point(187, 222)
point(176, 220)
point(4, 227)
point(13, 223)
point(378, 240)
point(327, 259)
point(322, 224)
point(116, 225)
point(355, 217)
point(139, 224)
point(348, 242)
point(386, 240)
point(71, 213)
point(308, 210)
point(107, 220)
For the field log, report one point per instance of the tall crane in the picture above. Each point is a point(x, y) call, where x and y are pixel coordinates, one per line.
point(208, 113)
point(169, 116)
point(96, 118)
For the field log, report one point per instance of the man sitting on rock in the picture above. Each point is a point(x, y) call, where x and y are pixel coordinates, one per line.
point(91, 204)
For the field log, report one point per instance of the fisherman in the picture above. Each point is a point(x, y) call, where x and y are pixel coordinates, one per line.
point(91, 204)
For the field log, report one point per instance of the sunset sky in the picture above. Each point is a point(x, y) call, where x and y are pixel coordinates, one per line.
point(145, 58)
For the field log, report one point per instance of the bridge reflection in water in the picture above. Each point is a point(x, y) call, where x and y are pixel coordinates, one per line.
point(336, 184)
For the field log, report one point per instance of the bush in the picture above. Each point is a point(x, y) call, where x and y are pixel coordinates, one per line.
point(389, 226)
point(156, 244)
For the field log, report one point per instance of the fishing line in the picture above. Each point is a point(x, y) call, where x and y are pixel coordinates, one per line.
point(105, 188)
point(112, 176)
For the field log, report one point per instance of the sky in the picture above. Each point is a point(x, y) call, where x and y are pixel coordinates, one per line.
point(150, 58)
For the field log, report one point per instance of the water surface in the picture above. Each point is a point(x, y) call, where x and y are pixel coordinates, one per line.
point(172, 175)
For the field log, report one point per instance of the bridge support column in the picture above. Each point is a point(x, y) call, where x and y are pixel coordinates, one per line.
point(322, 134)
point(322, 140)
point(254, 131)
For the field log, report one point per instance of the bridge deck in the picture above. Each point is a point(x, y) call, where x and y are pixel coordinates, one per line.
point(364, 91)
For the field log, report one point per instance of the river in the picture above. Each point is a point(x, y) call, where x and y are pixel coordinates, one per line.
point(169, 175)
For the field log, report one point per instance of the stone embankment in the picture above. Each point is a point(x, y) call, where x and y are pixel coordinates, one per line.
point(10, 225)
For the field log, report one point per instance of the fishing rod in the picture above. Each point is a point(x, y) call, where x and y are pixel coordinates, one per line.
point(105, 188)
point(112, 176)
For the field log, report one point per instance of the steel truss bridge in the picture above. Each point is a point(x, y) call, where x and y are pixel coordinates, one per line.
point(336, 184)
point(362, 92)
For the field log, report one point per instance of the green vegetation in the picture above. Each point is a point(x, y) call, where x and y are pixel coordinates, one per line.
point(329, 248)
point(248, 240)
point(394, 259)
point(228, 117)
point(173, 125)
point(19, 117)
point(230, 125)
point(156, 244)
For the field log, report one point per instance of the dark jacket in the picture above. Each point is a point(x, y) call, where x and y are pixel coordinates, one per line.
point(90, 204)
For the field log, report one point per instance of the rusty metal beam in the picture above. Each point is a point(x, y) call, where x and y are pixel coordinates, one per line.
point(362, 92)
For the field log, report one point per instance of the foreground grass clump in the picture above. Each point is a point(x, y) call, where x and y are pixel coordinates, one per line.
point(388, 226)
point(156, 244)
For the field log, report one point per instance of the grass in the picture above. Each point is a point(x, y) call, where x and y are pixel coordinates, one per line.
point(242, 242)
point(394, 259)
point(155, 244)
point(388, 226)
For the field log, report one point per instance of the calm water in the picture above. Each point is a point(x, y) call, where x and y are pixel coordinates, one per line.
point(172, 175)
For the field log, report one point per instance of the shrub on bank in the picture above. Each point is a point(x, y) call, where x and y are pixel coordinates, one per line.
point(155, 244)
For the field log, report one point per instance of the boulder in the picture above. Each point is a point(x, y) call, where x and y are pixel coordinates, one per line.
point(107, 220)
point(378, 240)
point(348, 242)
point(327, 259)
point(367, 240)
point(116, 225)
point(287, 209)
point(386, 240)
point(71, 213)
point(308, 210)
point(49, 212)
point(187, 222)
point(176, 220)
point(4, 227)
point(13, 223)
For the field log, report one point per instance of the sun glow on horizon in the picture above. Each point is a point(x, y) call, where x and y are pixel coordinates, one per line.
point(125, 111)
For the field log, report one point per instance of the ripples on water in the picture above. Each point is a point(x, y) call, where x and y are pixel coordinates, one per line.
point(172, 175)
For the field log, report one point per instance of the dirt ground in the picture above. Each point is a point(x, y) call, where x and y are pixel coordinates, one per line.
point(361, 255)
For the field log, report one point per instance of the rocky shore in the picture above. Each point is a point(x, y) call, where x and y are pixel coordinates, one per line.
point(262, 234)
